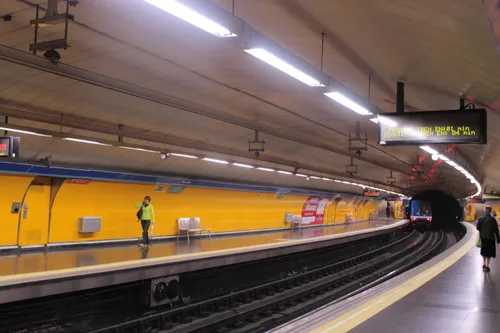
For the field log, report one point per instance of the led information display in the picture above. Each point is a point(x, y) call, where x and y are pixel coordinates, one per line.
point(5, 144)
point(371, 193)
point(428, 127)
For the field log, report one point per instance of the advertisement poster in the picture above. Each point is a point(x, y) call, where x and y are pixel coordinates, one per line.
point(313, 211)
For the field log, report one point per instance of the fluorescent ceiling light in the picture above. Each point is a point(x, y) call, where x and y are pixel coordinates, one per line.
point(348, 103)
point(450, 162)
point(337, 181)
point(286, 68)
point(285, 172)
point(192, 17)
point(265, 169)
point(87, 141)
point(182, 155)
point(243, 165)
point(429, 150)
point(327, 179)
point(140, 149)
point(301, 175)
point(444, 158)
point(315, 177)
point(24, 132)
point(213, 160)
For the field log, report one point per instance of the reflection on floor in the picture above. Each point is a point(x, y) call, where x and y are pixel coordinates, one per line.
point(462, 299)
point(72, 257)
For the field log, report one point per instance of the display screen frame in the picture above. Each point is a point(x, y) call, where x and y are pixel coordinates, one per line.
point(8, 142)
point(482, 137)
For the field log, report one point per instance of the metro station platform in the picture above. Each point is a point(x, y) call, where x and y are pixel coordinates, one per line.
point(55, 270)
point(448, 294)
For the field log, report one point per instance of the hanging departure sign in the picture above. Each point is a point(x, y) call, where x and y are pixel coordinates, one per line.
point(432, 127)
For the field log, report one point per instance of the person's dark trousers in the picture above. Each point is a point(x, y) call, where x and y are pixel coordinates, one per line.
point(145, 227)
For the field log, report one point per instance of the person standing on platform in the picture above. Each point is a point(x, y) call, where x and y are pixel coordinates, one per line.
point(489, 235)
point(388, 210)
point(146, 215)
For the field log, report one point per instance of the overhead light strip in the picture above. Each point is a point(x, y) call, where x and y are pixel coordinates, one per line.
point(348, 103)
point(190, 16)
point(24, 132)
point(183, 155)
point(87, 141)
point(283, 66)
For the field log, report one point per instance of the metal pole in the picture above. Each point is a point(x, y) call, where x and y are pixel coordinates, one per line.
point(400, 97)
point(322, 49)
point(462, 103)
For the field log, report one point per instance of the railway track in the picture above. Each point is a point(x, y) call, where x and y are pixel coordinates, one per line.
point(251, 303)
point(264, 306)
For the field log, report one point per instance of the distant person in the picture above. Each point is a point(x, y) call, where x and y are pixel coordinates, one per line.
point(146, 215)
point(488, 232)
point(388, 210)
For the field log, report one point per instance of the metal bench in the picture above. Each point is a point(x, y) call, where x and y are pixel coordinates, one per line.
point(190, 225)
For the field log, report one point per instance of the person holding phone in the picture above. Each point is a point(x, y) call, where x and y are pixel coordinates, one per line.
point(146, 215)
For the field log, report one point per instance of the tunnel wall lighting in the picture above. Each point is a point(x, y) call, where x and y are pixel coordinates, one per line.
point(213, 160)
point(86, 141)
point(241, 165)
point(183, 155)
point(348, 103)
point(190, 16)
point(315, 177)
point(301, 175)
point(429, 150)
point(140, 149)
point(24, 132)
point(265, 169)
point(285, 172)
point(283, 66)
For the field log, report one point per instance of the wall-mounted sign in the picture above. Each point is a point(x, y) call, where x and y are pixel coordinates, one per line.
point(491, 197)
point(432, 127)
point(475, 200)
point(371, 193)
point(9, 146)
point(78, 181)
point(175, 189)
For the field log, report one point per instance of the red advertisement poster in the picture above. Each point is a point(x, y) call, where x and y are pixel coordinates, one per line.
point(313, 211)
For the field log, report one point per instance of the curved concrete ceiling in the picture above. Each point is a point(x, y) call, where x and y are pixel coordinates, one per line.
point(174, 87)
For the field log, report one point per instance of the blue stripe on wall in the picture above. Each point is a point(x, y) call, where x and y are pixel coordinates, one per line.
point(38, 170)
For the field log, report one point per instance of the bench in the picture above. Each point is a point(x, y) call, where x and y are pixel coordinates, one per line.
point(190, 225)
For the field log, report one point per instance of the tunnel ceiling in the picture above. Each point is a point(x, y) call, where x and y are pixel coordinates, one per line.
point(214, 95)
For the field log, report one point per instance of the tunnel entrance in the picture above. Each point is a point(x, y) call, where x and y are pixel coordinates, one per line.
point(446, 210)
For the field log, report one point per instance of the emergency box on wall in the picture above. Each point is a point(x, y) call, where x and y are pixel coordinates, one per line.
point(88, 224)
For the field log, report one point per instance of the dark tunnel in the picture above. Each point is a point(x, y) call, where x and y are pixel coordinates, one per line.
point(446, 210)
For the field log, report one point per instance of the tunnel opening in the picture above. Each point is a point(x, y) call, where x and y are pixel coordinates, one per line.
point(446, 210)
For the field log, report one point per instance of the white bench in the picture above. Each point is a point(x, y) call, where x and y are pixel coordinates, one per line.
point(190, 225)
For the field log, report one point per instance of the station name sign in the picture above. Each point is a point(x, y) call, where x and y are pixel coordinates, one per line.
point(491, 197)
point(371, 193)
point(432, 127)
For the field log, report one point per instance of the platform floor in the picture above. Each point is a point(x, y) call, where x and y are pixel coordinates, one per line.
point(462, 299)
point(67, 258)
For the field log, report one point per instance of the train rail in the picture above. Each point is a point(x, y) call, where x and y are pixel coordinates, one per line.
point(267, 303)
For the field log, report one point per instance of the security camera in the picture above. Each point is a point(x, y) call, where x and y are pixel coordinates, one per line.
point(52, 55)
point(163, 156)
point(257, 154)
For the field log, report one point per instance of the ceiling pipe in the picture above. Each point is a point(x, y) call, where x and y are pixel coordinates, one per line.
point(51, 8)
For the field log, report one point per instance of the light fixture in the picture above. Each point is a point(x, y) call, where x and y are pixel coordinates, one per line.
point(348, 103)
point(140, 149)
point(429, 150)
point(213, 160)
point(450, 162)
point(190, 16)
point(315, 177)
point(87, 141)
point(286, 68)
point(337, 181)
point(265, 169)
point(243, 165)
point(301, 175)
point(444, 158)
point(285, 172)
point(435, 157)
point(24, 132)
point(182, 155)
point(327, 179)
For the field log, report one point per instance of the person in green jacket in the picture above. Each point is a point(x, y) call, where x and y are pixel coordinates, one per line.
point(148, 216)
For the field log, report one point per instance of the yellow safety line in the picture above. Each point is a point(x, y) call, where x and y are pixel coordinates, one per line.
point(370, 308)
point(99, 268)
